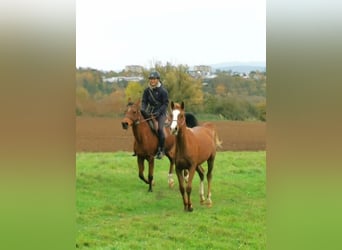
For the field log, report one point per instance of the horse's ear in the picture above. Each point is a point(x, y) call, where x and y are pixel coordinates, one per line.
point(129, 102)
point(137, 102)
point(182, 105)
point(172, 105)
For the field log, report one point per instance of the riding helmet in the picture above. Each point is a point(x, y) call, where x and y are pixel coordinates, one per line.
point(154, 74)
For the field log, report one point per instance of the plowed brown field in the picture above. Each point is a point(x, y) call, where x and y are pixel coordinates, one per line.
point(107, 135)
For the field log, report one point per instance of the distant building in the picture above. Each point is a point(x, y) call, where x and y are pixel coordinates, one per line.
point(134, 69)
point(124, 78)
point(205, 70)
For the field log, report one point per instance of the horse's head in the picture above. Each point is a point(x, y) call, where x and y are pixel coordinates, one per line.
point(132, 114)
point(178, 117)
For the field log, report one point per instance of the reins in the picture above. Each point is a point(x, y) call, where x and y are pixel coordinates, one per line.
point(137, 122)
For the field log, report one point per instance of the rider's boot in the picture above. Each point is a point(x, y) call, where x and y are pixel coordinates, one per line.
point(160, 153)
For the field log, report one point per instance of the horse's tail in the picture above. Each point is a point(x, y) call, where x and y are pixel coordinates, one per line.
point(216, 138)
point(218, 142)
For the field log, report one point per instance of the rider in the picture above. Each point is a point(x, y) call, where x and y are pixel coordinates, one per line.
point(155, 101)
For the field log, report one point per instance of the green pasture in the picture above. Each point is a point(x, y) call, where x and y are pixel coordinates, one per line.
point(115, 211)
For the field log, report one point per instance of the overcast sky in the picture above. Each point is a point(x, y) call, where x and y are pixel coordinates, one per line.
point(112, 34)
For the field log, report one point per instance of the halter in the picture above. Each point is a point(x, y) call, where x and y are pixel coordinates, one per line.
point(181, 124)
point(176, 120)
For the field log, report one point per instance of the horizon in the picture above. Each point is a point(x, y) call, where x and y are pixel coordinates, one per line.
point(214, 65)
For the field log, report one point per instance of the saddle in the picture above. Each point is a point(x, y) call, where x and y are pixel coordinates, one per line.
point(153, 123)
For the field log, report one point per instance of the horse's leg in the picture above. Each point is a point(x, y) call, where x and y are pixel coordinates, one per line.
point(186, 175)
point(150, 172)
point(209, 176)
point(200, 172)
point(180, 177)
point(189, 186)
point(141, 169)
point(170, 178)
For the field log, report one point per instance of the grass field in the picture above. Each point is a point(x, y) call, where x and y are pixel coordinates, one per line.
point(115, 211)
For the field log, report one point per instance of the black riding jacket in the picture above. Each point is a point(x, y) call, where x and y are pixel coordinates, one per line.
point(155, 100)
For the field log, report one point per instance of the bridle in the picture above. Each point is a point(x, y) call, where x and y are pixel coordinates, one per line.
point(139, 120)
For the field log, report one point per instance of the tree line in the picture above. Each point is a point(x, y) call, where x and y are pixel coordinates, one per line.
point(226, 96)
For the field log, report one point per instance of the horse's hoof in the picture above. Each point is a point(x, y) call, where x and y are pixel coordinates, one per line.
point(209, 203)
point(190, 209)
point(203, 202)
point(171, 183)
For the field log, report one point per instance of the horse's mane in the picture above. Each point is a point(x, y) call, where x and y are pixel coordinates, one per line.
point(145, 114)
point(190, 120)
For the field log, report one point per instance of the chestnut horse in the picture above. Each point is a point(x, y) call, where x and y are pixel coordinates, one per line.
point(193, 147)
point(146, 140)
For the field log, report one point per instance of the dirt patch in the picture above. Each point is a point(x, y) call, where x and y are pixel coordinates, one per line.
point(107, 135)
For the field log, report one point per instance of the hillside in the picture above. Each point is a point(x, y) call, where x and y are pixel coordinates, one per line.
point(240, 67)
